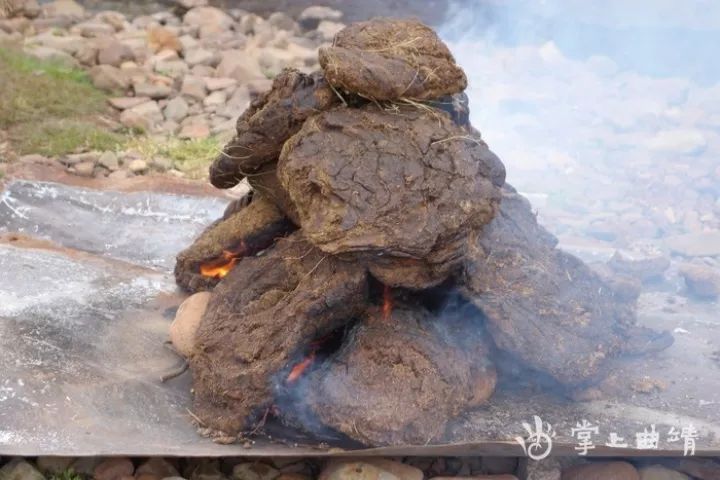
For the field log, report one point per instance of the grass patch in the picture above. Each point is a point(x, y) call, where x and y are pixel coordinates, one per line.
point(192, 157)
point(50, 108)
point(34, 90)
point(68, 474)
point(58, 137)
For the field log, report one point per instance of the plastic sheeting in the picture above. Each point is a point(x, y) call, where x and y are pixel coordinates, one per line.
point(83, 321)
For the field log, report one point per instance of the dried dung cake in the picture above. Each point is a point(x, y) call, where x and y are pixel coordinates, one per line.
point(384, 59)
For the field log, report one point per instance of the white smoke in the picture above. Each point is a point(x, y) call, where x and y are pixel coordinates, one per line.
point(597, 108)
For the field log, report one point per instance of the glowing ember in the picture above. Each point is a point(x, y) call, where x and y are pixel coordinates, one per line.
point(221, 266)
point(298, 369)
point(387, 303)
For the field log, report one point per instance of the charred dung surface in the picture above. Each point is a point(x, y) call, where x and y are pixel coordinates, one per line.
point(416, 371)
point(391, 59)
point(264, 311)
point(268, 123)
point(405, 183)
point(247, 227)
point(544, 306)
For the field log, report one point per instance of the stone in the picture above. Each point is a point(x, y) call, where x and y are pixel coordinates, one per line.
point(205, 470)
point(113, 469)
point(176, 109)
point(114, 53)
point(87, 55)
point(107, 77)
point(255, 470)
point(701, 244)
point(328, 29)
point(236, 104)
point(161, 164)
point(310, 18)
point(143, 476)
point(76, 158)
point(247, 22)
point(700, 468)
point(188, 43)
point(293, 476)
point(188, 4)
point(202, 56)
point(208, 19)
point(601, 471)
point(212, 83)
point(85, 465)
point(499, 465)
point(116, 19)
point(193, 87)
point(152, 90)
point(283, 21)
point(701, 281)
point(94, 29)
point(478, 477)
point(354, 470)
point(159, 467)
point(144, 116)
point(51, 55)
point(63, 8)
point(644, 267)
point(19, 469)
point(15, 27)
point(123, 103)
point(658, 472)
point(172, 68)
point(399, 469)
point(20, 9)
point(109, 160)
point(547, 469)
point(223, 127)
point(161, 38)
point(194, 131)
point(215, 99)
point(138, 166)
point(239, 65)
point(67, 43)
point(53, 465)
point(84, 169)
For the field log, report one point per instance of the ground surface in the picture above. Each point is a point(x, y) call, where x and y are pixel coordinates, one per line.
point(90, 345)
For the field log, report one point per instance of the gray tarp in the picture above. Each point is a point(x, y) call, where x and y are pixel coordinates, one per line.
point(84, 314)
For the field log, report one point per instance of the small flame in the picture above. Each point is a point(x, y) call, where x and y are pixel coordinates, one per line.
point(300, 368)
point(220, 267)
point(387, 303)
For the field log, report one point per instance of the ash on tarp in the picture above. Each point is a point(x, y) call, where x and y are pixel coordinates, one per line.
point(396, 206)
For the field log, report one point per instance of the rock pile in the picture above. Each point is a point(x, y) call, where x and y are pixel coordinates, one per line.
point(406, 261)
point(411, 468)
point(185, 72)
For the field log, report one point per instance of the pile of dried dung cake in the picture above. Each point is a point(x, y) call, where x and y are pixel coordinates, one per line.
point(375, 201)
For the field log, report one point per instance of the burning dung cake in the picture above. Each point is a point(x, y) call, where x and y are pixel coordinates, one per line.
point(381, 264)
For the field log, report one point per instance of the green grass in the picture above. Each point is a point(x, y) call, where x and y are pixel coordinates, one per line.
point(57, 137)
point(189, 156)
point(49, 108)
point(34, 90)
point(68, 474)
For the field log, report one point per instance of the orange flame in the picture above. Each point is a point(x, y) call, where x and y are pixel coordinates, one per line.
point(387, 303)
point(220, 267)
point(300, 368)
